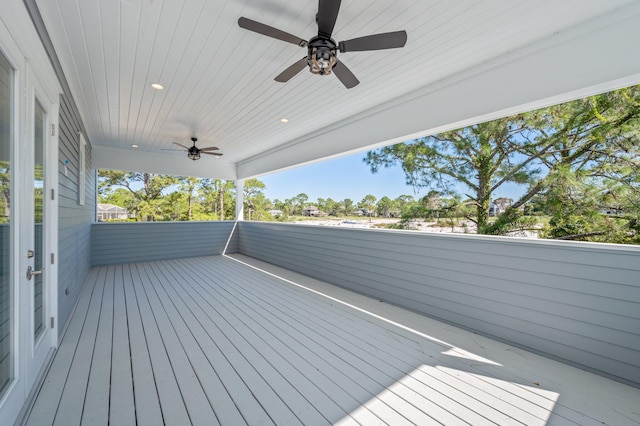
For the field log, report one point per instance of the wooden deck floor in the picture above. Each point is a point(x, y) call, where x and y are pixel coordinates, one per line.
point(220, 340)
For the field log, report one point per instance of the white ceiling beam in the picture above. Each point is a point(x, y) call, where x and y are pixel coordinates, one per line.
point(175, 165)
point(596, 56)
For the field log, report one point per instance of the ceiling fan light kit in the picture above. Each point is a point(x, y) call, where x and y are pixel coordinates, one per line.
point(322, 56)
point(194, 153)
point(322, 50)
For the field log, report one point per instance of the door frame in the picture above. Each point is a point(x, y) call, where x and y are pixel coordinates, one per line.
point(33, 74)
point(13, 396)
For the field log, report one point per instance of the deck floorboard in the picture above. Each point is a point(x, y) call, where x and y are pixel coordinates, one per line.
point(232, 341)
point(122, 409)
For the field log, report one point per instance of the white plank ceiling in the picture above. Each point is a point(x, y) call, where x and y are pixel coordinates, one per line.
point(218, 78)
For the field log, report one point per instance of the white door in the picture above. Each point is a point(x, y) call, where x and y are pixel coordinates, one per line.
point(38, 278)
point(28, 225)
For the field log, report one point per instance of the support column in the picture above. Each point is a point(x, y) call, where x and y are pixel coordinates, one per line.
point(240, 199)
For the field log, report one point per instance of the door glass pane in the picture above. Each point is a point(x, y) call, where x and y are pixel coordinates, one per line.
point(6, 293)
point(38, 215)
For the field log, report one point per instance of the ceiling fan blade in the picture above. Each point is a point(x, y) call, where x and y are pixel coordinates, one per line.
point(210, 148)
point(179, 144)
point(327, 15)
point(217, 154)
point(257, 27)
point(290, 72)
point(374, 42)
point(345, 75)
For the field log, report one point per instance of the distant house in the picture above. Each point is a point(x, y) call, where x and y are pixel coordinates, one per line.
point(365, 212)
point(111, 212)
point(499, 206)
point(275, 212)
point(394, 213)
point(313, 211)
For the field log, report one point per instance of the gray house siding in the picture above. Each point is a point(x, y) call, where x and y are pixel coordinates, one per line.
point(74, 226)
point(576, 302)
point(144, 241)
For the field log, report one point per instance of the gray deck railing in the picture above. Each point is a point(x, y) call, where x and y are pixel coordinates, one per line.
point(144, 241)
point(577, 302)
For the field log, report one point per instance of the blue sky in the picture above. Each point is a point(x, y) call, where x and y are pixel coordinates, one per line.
point(348, 177)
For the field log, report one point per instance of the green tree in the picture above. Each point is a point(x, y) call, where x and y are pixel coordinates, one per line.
point(595, 136)
point(299, 202)
point(346, 206)
point(256, 204)
point(321, 203)
point(385, 206)
point(287, 207)
point(368, 203)
point(403, 203)
point(431, 203)
point(583, 210)
point(5, 190)
point(157, 197)
point(284, 207)
point(483, 157)
point(119, 197)
point(217, 198)
point(331, 206)
point(450, 209)
point(594, 168)
point(188, 187)
point(147, 200)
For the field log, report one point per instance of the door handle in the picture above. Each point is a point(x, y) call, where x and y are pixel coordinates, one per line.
point(31, 272)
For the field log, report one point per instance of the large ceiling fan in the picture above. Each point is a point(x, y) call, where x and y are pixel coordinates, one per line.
point(322, 50)
point(193, 152)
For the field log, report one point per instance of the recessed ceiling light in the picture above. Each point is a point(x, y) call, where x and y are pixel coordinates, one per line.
point(157, 86)
point(284, 120)
point(133, 145)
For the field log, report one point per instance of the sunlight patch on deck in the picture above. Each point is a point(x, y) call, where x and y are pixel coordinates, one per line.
point(445, 398)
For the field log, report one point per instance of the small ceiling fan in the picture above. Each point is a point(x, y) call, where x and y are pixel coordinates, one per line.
point(193, 152)
point(322, 50)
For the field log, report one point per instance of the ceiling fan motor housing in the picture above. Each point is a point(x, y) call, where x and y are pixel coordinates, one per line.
point(193, 153)
point(322, 55)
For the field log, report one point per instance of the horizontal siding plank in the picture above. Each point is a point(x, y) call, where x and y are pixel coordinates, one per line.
point(74, 221)
point(385, 267)
point(485, 256)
